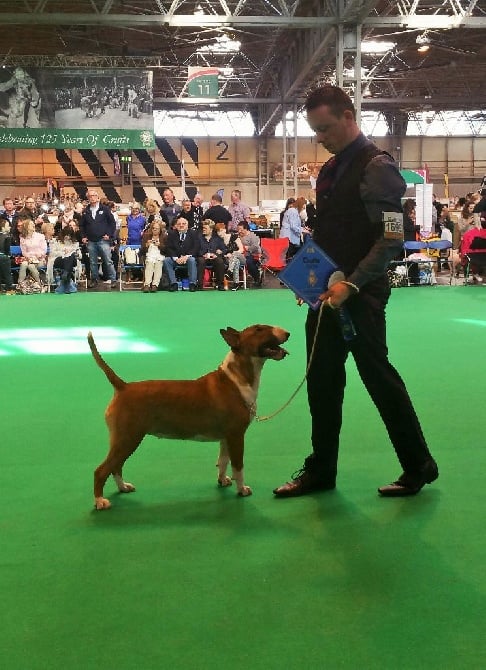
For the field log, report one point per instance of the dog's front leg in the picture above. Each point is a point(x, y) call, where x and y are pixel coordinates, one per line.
point(222, 465)
point(236, 446)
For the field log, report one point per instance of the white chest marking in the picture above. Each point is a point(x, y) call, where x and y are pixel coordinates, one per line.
point(248, 391)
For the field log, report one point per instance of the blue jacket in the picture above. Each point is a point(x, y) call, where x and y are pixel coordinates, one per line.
point(103, 224)
point(135, 225)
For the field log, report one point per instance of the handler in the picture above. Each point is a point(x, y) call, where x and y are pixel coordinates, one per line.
point(354, 190)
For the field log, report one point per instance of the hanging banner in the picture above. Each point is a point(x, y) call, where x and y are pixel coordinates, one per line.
point(202, 82)
point(76, 108)
point(52, 138)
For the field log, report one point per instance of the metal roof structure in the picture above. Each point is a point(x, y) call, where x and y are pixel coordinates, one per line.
point(269, 52)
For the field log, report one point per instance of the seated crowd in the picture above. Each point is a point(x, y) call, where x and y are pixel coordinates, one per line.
point(170, 239)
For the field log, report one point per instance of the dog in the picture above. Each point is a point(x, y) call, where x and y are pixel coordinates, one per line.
point(216, 407)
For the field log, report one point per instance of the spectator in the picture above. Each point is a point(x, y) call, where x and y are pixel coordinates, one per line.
point(211, 254)
point(252, 250)
point(217, 212)
point(170, 209)
point(63, 253)
point(240, 213)
point(135, 224)
point(9, 215)
point(98, 230)
point(5, 265)
point(182, 250)
point(291, 227)
point(34, 249)
point(154, 242)
point(235, 253)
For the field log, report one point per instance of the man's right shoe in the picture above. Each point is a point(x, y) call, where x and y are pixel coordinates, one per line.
point(410, 485)
point(173, 287)
point(303, 482)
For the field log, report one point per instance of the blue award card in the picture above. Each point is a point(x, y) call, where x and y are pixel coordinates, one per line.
point(307, 274)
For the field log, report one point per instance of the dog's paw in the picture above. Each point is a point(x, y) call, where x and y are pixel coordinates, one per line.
point(245, 491)
point(126, 487)
point(102, 503)
point(224, 481)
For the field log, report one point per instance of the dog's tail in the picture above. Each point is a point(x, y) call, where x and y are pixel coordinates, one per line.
point(113, 378)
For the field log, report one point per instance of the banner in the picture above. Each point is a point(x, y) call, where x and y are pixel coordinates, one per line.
point(52, 138)
point(76, 108)
point(202, 82)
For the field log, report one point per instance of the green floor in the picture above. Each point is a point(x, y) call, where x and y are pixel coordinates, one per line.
point(184, 575)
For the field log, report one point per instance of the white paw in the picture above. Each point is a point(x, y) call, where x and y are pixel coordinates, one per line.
point(126, 487)
point(102, 503)
point(245, 491)
point(224, 481)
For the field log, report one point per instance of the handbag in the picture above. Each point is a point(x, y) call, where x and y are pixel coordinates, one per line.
point(29, 286)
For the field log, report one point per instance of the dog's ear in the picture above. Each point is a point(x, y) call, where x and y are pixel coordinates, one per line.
point(231, 337)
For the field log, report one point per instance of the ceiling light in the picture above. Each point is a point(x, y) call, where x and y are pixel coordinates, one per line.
point(423, 42)
point(375, 47)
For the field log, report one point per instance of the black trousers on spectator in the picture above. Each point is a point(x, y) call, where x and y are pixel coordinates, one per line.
point(5, 273)
point(217, 264)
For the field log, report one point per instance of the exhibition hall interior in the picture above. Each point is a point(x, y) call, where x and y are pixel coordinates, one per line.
point(206, 201)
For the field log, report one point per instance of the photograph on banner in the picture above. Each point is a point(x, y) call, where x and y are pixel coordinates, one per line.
point(95, 98)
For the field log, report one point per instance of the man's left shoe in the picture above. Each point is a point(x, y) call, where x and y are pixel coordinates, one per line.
point(221, 287)
point(410, 485)
point(192, 288)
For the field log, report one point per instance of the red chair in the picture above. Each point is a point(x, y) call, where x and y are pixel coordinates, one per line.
point(274, 254)
point(473, 252)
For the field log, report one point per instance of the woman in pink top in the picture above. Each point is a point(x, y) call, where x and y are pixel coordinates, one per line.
point(34, 249)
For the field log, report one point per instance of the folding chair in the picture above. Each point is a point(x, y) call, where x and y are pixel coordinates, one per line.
point(442, 246)
point(125, 267)
point(274, 254)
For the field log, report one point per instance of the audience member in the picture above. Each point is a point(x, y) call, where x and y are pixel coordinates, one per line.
point(290, 201)
point(217, 212)
point(211, 254)
point(63, 255)
point(30, 210)
point(251, 245)
point(5, 264)
point(182, 250)
point(198, 211)
point(240, 213)
point(235, 253)
point(135, 225)
point(291, 227)
point(152, 210)
point(9, 214)
point(33, 246)
point(169, 208)
point(98, 230)
point(154, 242)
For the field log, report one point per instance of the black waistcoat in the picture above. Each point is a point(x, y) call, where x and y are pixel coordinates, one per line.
point(343, 229)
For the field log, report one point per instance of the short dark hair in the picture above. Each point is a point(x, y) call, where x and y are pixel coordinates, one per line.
point(244, 224)
point(217, 197)
point(334, 97)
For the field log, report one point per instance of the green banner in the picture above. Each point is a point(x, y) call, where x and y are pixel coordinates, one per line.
point(68, 138)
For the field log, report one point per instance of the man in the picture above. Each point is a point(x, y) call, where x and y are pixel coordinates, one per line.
point(188, 213)
point(238, 210)
point(98, 231)
point(251, 245)
point(9, 215)
point(32, 212)
point(182, 249)
point(169, 206)
point(197, 211)
point(354, 190)
point(217, 212)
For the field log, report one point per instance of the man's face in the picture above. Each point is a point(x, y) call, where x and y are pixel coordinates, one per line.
point(9, 206)
point(168, 197)
point(30, 203)
point(333, 132)
point(235, 198)
point(93, 197)
point(182, 225)
point(241, 231)
point(186, 206)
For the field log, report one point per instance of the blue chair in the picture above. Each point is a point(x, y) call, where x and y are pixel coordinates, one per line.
point(15, 251)
point(125, 267)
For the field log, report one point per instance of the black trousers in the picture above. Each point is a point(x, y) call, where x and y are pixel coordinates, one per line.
point(327, 380)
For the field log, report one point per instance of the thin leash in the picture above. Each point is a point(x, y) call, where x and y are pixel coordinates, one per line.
point(270, 416)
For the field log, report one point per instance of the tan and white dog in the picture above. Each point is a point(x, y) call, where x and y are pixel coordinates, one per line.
point(217, 407)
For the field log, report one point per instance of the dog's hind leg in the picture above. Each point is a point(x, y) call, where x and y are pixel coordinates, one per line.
point(222, 464)
point(236, 447)
point(120, 450)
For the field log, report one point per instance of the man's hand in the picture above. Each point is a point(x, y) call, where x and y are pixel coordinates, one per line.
point(336, 295)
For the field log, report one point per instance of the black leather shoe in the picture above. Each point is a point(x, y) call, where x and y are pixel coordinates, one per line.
point(192, 287)
point(410, 485)
point(303, 482)
point(173, 287)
